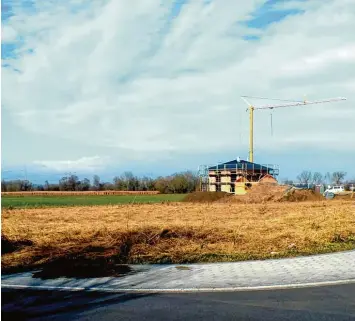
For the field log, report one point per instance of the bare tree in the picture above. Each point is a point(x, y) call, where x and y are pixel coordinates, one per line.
point(3, 186)
point(327, 178)
point(317, 178)
point(338, 177)
point(96, 183)
point(69, 183)
point(84, 185)
point(305, 177)
point(287, 181)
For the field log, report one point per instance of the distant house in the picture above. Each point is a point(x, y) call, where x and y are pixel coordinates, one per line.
point(233, 176)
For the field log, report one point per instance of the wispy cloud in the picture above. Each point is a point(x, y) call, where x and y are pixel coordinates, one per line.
point(160, 77)
point(92, 163)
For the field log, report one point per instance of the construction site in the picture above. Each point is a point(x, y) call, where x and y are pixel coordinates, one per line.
point(236, 176)
point(240, 176)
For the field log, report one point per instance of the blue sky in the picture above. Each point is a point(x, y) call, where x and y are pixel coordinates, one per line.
point(101, 86)
point(268, 13)
point(261, 18)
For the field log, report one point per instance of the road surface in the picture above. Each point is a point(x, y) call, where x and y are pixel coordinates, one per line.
point(320, 287)
point(323, 303)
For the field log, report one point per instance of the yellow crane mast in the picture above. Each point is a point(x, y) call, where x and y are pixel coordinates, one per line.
point(289, 103)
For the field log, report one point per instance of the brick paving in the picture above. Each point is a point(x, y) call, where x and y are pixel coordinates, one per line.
point(293, 272)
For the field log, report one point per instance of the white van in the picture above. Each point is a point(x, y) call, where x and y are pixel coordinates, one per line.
point(334, 190)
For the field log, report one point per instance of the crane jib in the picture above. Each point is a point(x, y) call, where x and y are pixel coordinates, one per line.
point(252, 108)
point(300, 103)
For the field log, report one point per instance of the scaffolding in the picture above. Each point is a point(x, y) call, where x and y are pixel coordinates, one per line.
point(226, 177)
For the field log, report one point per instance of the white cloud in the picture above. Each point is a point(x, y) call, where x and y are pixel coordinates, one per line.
point(319, 61)
point(8, 34)
point(92, 163)
point(121, 75)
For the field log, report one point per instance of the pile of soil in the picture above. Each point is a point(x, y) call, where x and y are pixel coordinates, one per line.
point(274, 193)
point(264, 193)
point(258, 194)
point(295, 195)
point(206, 197)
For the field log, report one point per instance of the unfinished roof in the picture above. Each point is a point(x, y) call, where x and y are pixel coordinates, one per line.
point(242, 164)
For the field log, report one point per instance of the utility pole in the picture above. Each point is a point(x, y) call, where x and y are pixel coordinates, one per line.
point(290, 103)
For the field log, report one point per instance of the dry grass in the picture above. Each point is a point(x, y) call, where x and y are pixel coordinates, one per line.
point(177, 232)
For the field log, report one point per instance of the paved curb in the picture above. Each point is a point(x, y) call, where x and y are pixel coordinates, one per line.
point(309, 271)
point(187, 290)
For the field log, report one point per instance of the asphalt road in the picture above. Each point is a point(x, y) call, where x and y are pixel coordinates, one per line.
point(317, 303)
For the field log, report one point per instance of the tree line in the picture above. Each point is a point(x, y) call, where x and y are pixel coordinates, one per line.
point(317, 178)
point(184, 182)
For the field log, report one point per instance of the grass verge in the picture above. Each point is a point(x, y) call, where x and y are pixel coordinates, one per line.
point(87, 200)
point(96, 241)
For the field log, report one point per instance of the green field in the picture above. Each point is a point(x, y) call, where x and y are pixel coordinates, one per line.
point(88, 200)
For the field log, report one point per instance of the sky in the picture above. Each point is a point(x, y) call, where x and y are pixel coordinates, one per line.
point(153, 87)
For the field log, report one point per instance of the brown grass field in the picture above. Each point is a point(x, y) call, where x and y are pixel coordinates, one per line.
point(173, 233)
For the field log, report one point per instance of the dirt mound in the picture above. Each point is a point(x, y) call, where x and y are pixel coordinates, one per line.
point(274, 193)
point(295, 195)
point(258, 194)
point(206, 197)
point(265, 193)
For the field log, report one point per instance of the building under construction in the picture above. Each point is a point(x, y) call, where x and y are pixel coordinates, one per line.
point(236, 176)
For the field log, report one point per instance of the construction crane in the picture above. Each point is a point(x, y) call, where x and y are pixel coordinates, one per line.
point(287, 103)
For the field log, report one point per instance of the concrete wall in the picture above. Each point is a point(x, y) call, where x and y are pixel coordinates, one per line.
point(226, 188)
point(225, 179)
